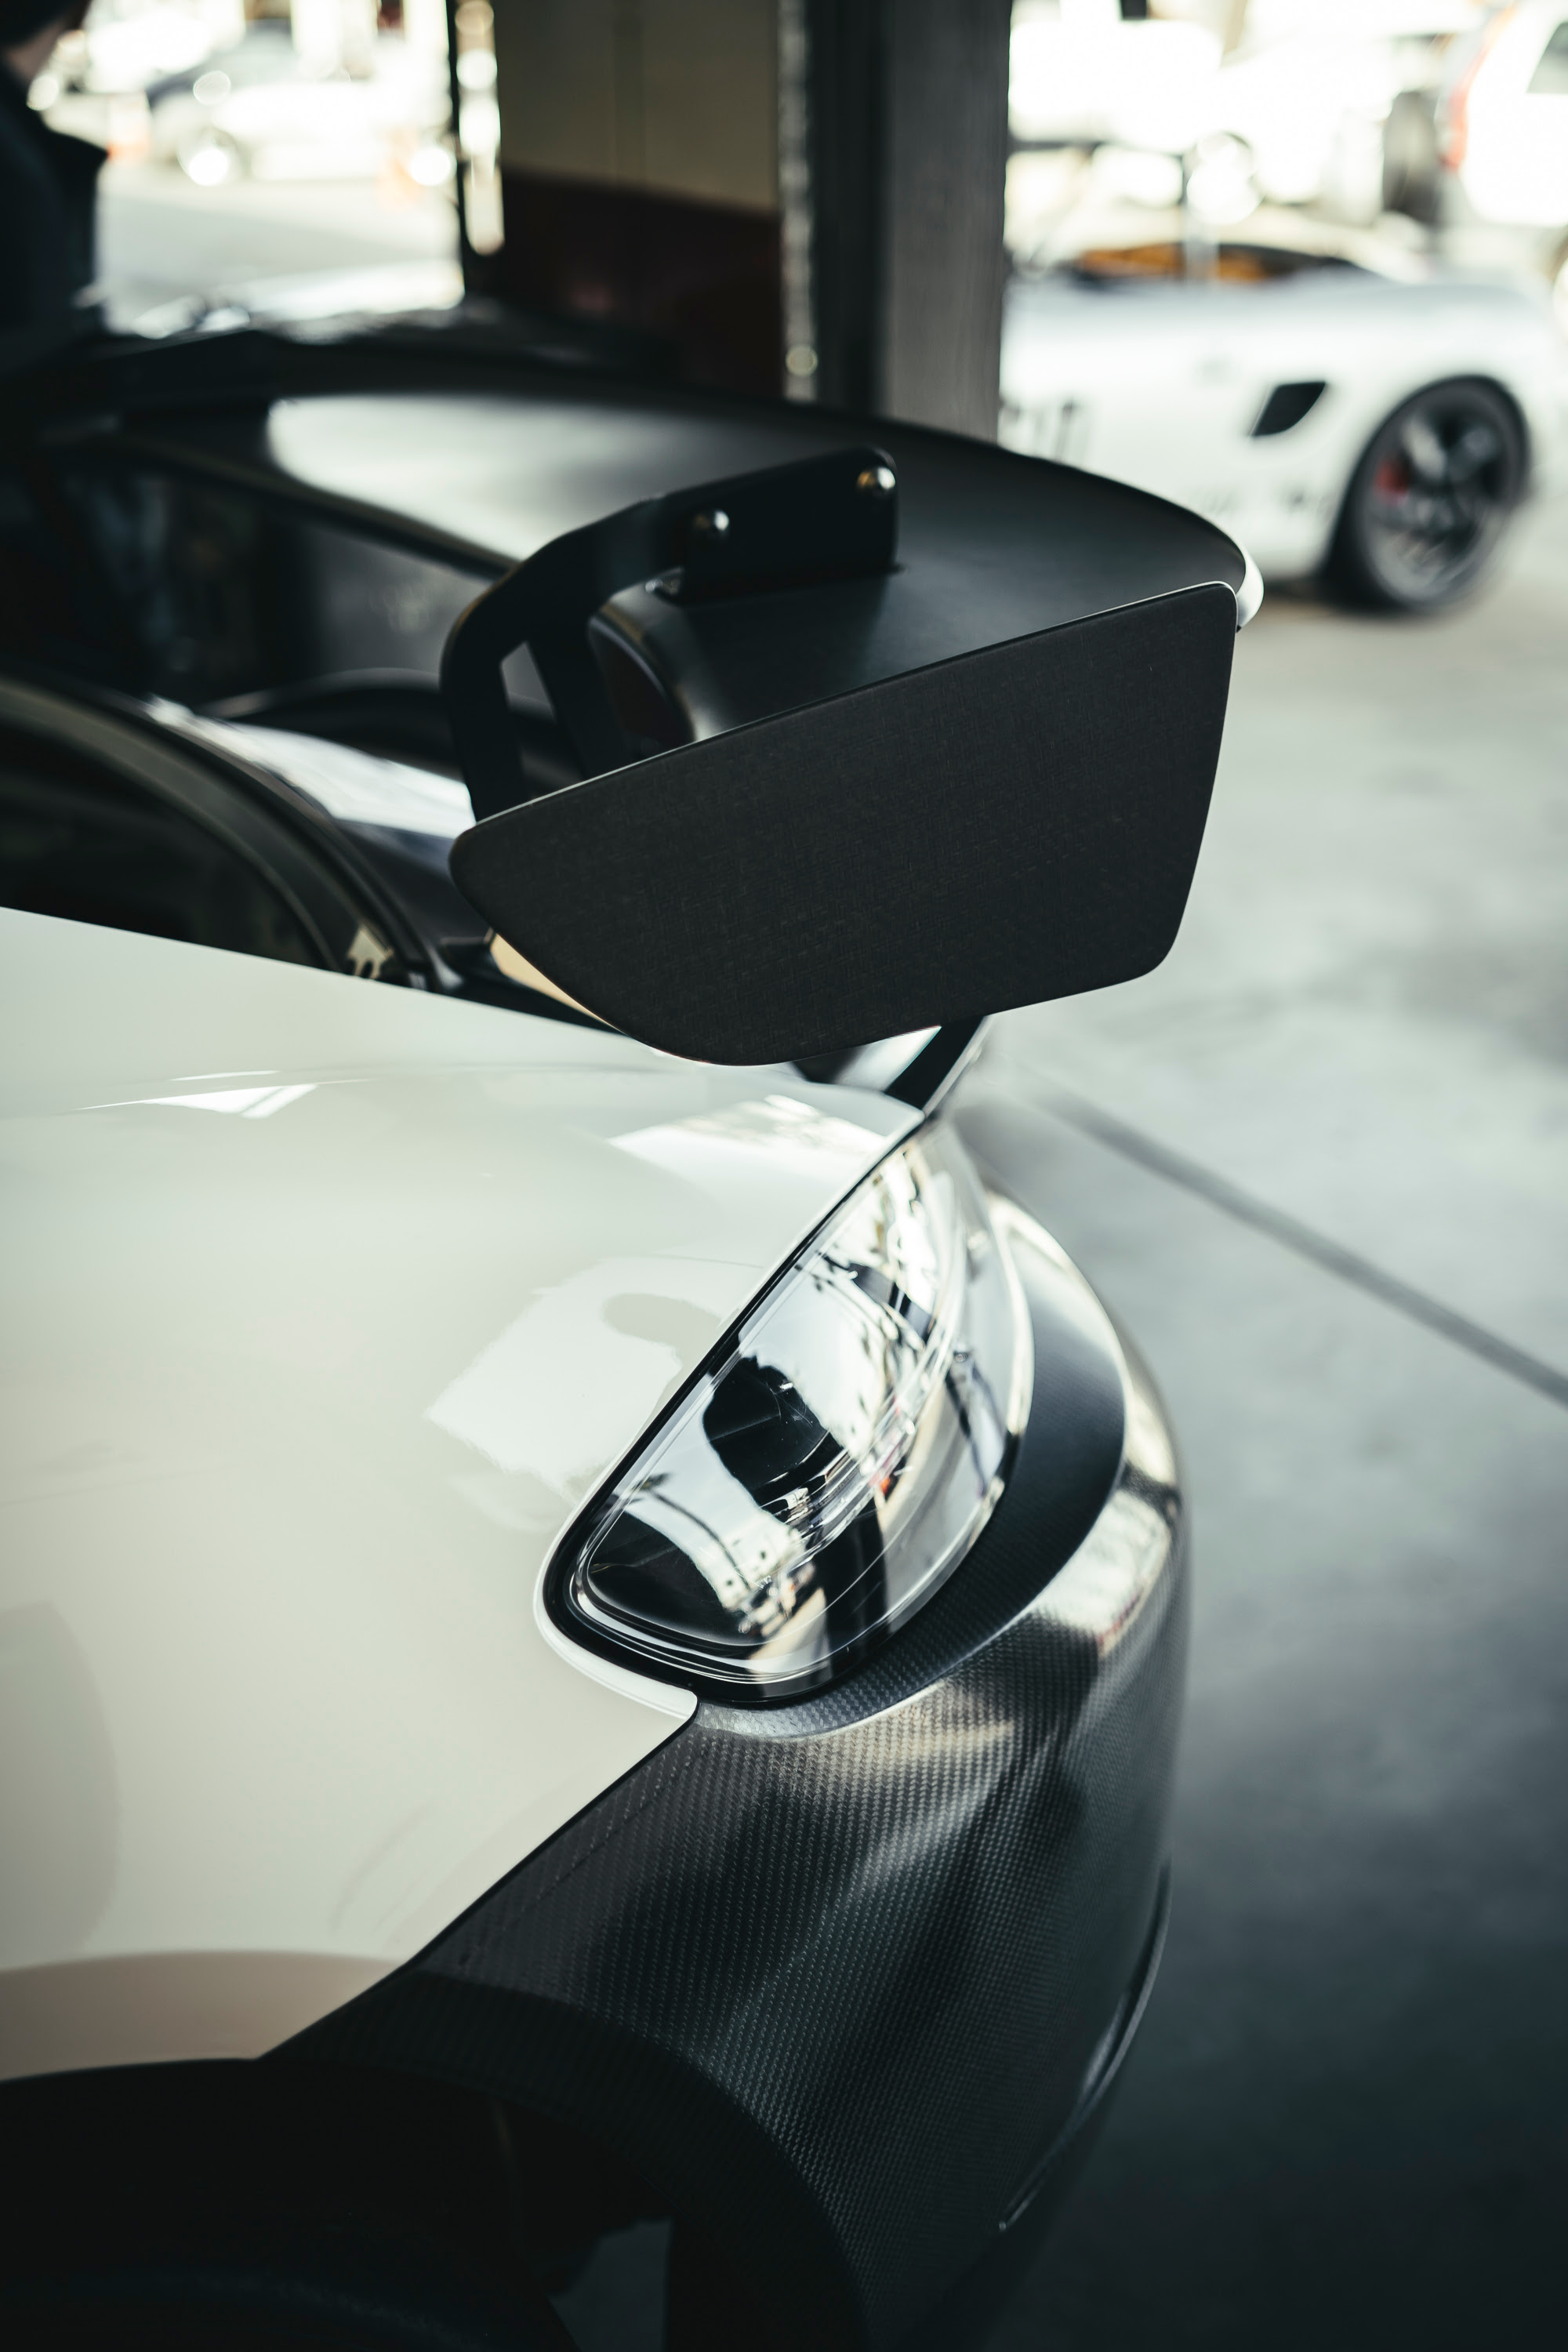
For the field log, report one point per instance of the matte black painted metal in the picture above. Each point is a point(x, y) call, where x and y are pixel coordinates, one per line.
point(455, 474)
point(824, 518)
point(1018, 824)
point(834, 1975)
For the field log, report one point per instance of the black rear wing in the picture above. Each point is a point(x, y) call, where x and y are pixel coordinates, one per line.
point(1017, 823)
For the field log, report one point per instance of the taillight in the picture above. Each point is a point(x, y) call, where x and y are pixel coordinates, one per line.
point(837, 1458)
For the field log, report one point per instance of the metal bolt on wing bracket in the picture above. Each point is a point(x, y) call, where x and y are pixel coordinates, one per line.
point(830, 518)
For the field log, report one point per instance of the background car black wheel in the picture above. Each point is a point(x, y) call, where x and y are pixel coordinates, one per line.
point(1430, 500)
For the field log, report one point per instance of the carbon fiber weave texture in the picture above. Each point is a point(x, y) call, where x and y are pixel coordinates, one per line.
point(833, 1974)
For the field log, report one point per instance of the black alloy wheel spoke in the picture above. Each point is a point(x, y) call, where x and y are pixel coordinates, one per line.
point(1477, 446)
point(1432, 498)
point(1422, 450)
point(1451, 499)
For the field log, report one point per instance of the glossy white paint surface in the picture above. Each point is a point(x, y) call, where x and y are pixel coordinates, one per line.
point(1161, 385)
point(323, 1309)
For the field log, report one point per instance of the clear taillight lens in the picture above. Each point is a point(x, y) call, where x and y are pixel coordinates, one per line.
point(822, 1479)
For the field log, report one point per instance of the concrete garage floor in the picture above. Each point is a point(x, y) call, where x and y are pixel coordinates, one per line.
point(1347, 2121)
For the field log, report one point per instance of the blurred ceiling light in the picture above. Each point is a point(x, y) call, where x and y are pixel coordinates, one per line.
point(432, 167)
point(1079, 76)
point(210, 164)
point(478, 127)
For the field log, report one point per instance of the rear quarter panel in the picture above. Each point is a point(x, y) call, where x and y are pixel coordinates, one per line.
point(323, 1309)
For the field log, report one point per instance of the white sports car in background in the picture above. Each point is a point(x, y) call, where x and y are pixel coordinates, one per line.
point(1331, 419)
point(263, 109)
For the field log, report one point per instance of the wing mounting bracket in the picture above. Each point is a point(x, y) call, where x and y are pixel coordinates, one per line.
point(827, 517)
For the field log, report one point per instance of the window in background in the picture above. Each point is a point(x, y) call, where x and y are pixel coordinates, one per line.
point(263, 156)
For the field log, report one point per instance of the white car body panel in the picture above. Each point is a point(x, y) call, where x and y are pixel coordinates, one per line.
point(1160, 384)
point(1515, 166)
point(1082, 76)
point(1294, 95)
point(325, 1308)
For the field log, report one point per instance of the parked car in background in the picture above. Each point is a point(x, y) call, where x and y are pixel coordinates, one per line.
point(1336, 421)
point(263, 111)
point(265, 52)
point(1502, 129)
point(120, 51)
point(1294, 115)
point(1311, 106)
point(1082, 76)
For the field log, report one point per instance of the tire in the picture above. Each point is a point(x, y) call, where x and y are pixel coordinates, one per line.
point(1429, 502)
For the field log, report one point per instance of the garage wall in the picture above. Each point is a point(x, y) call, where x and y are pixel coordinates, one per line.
point(639, 172)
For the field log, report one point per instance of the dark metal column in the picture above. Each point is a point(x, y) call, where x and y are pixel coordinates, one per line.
point(908, 142)
point(639, 177)
point(800, 194)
